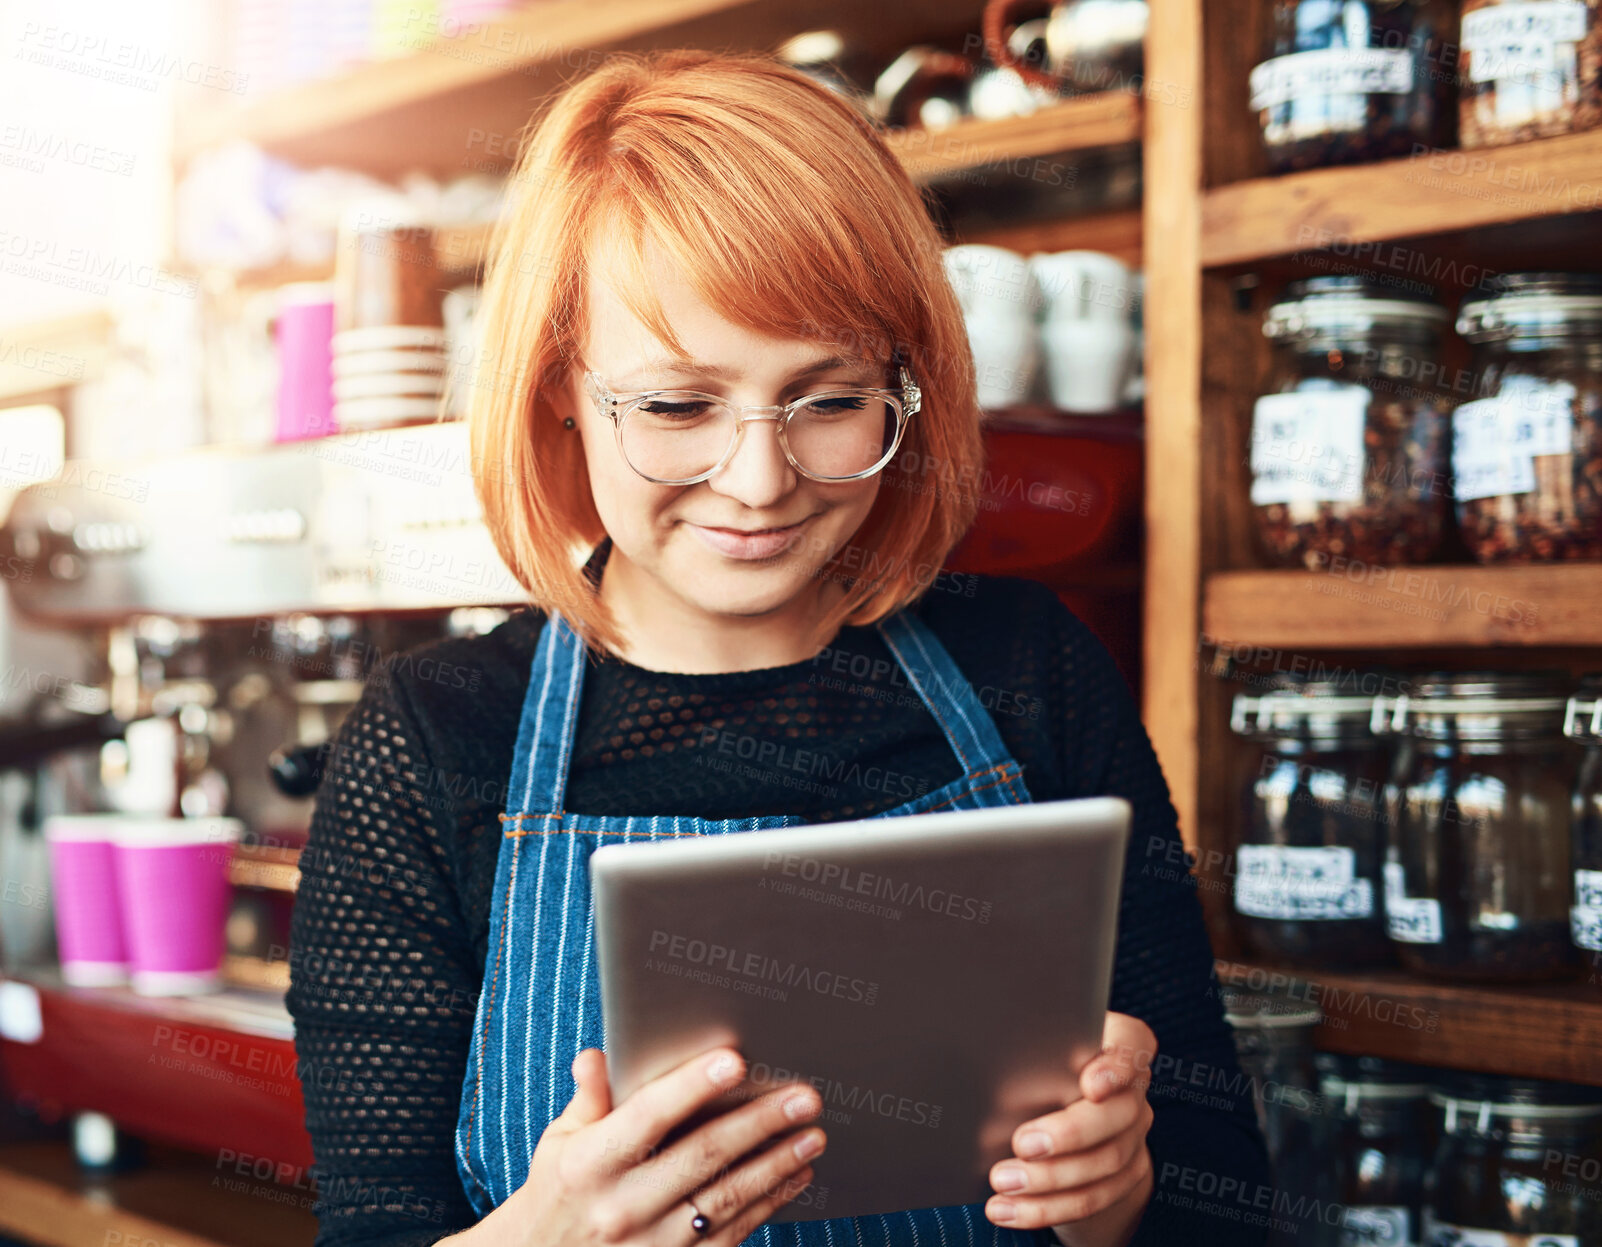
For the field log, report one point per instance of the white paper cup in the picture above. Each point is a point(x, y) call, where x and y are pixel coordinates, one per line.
point(365, 413)
point(365, 363)
point(388, 338)
point(1005, 360)
point(389, 385)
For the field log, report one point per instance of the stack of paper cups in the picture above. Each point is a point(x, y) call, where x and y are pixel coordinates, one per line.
point(173, 880)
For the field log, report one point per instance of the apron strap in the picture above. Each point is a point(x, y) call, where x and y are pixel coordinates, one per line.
point(545, 733)
point(949, 697)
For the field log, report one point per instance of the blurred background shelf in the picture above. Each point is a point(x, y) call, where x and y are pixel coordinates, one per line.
point(1431, 193)
point(1432, 606)
point(415, 111)
point(1538, 1031)
point(1086, 123)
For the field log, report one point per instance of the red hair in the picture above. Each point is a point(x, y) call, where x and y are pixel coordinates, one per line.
point(781, 203)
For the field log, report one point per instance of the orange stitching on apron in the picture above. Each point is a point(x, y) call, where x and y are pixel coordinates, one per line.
point(478, 1078)
point(1004, 779)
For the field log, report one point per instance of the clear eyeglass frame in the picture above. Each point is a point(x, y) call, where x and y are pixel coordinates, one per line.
point(616, 407)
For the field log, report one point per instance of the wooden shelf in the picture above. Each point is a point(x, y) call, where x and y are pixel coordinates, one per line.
point(1086, 123)
point(178, 1199)
point(1431, 607)
point(458, 105)
point(1116, 233)
point(1541, 1031)
point(1433, 193)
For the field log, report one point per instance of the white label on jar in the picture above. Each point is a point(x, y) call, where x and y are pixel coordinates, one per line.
point(1585, 919)
point(1363, 1227)
point(1331, 71)
point(1496, 440)
point(1307, 446)
point(1409, 919)
point(1441, 1234)
point(1520, 41)
point(1272, 881)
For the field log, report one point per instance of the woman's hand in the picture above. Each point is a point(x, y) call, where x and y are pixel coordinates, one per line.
point(598, 1175)
point(1084, 1170)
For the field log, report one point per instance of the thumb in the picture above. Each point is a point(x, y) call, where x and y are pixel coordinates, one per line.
point(592, 1099)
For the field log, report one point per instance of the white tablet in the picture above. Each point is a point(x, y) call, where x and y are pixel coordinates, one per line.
point(939, 978)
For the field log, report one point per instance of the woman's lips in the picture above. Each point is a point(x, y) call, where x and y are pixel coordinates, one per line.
point(736, 544)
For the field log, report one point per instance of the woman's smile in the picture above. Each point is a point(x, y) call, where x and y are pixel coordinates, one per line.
point(748, 543)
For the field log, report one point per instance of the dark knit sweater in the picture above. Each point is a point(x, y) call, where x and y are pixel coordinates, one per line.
point(391, 920)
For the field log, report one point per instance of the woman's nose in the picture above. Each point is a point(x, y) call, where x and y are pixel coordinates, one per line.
point(758, 474)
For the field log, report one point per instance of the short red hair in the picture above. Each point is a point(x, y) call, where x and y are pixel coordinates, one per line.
point(788, 213)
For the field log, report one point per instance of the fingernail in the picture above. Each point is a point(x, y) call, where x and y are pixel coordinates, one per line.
point(1034, 1144)
point(1010, 1178)
point(809, 1145)
point(720, 1069)
point(1000, 1210)
point(800, 1107)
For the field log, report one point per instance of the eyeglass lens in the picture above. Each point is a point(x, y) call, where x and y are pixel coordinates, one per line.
point(678, 438)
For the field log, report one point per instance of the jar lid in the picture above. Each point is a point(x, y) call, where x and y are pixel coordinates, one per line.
point(1526, 305)
point(1309, 712)
point(1495, 1095)
point(1582, 718)
point(1475, 703)
point(1250, 1010)
point(1346, 305)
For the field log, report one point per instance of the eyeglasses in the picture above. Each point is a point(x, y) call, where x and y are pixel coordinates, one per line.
point(680, 437)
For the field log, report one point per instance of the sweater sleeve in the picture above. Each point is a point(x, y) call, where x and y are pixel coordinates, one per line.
point(1205, 1136)
point(382, 987)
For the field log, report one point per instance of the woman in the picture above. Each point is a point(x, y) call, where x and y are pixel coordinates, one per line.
point(723, 433)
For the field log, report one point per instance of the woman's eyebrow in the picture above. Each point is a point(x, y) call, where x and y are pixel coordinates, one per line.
point(713, 372)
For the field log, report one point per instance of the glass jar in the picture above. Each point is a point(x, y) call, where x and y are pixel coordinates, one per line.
point(1274, 1043)
point(1308, 867)
point(1516, 1164)
point(1582, 722)
point(1377, 1138)
point(1528, 69)
point(1527, 453)
point(1345, 81)
point(1477, 813)
point(1349, 444)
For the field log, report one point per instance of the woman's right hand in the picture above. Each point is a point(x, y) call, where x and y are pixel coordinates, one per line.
point(599, 1176)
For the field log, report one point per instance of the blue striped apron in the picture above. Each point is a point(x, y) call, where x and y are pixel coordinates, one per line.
point(540, 1004)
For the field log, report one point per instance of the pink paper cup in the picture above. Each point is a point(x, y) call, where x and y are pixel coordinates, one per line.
point(173, 873)
point(88, 903)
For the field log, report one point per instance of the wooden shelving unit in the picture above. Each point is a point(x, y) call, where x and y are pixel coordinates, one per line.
point(458, 102)
point(1425, 607)
point(1221, 237)
point(1549, 1030)
point(1086, 123)
point(1435, 192)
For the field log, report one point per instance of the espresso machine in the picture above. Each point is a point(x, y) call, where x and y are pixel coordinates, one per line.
point(182, 638)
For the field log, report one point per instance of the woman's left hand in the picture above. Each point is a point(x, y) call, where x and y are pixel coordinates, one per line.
point(1084, 1170)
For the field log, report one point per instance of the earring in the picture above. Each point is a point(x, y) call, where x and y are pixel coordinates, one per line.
point(567, 423)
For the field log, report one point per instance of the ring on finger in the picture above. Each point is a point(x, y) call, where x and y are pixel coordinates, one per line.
point(698, 1220)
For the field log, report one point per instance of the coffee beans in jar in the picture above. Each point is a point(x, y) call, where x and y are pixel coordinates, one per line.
point(1477, 859)
point(1345, 81)
point(1377, 1139)
point(1508, 1171)
point(1527, 451)
point(1528, 69)
point(1349, 445)
point(1582, 722)
point(1307, 868)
